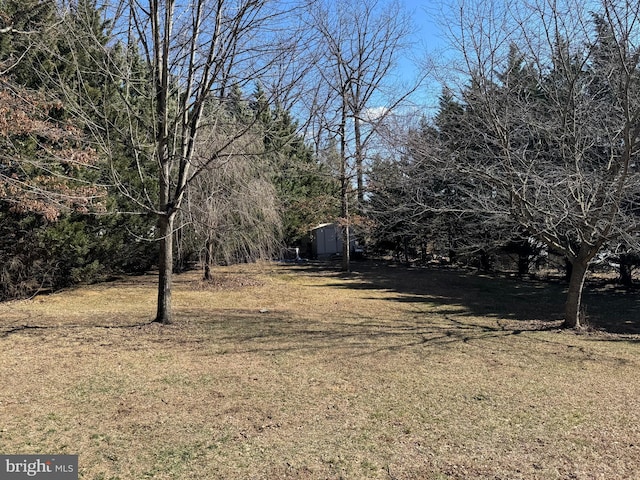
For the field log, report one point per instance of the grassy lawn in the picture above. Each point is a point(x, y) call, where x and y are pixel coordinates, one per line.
point(283, 371)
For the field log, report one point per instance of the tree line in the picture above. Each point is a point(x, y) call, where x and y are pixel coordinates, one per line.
point(140, 136)
point(124, 148)
point(537, 148)
point(186, 145)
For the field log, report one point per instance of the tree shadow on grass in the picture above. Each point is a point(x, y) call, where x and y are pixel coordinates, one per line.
point(527, 304)
point(245, 331)
point(612, 310)
point(349, 332)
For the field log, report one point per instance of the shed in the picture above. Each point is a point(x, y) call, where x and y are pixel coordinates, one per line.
point(326, 240)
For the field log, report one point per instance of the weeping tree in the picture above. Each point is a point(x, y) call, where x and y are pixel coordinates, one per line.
point(547, 132)
point(170, 59)
point(231, 211)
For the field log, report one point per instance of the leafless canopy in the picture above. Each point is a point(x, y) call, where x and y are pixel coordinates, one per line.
point(177, 62)
point(549, 132)
point(356, 46)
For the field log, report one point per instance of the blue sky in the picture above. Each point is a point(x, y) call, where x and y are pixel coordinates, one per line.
point(428, 42)
point(424, 13)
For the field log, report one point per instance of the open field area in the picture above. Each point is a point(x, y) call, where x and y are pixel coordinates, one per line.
point(300, 372)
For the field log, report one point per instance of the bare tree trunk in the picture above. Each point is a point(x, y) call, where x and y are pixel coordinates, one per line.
point(524, 263)
point(626, 269)
point(346, 237)
point(359, 154)
point(405, 246)
point(208, 260)
point(344, 186)
point(164, 313)
point(346, 251)
point(572, 309)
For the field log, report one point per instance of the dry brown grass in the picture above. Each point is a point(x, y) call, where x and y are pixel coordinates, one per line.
point(299, 372)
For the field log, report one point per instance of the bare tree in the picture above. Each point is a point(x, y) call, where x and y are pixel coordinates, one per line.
point(171, 59)
point(548, 135)
point(231, 210)
point(358, 45)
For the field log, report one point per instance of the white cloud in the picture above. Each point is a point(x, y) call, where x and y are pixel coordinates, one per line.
point(374, 113)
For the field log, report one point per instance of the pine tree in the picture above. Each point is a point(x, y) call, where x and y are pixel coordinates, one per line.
point(64, 53)
point(46, 171)
point(305, 188)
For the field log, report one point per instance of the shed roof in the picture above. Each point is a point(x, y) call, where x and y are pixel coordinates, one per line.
point(322, 225)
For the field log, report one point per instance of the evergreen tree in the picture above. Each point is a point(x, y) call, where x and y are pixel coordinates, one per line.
point(553, 132)
point(399, 224)
point(46, 171)
point(38, 51)
point(306, 189)
point(26, 26)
